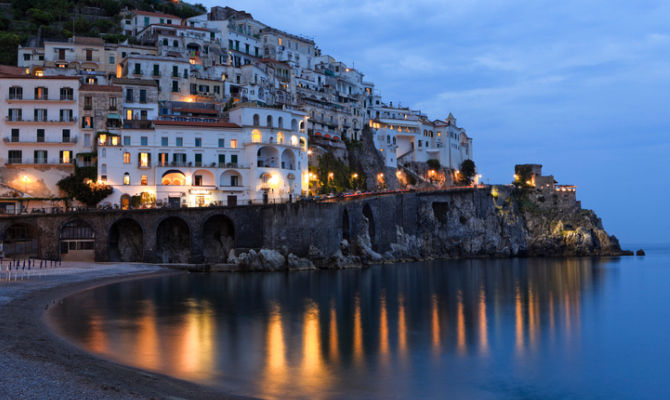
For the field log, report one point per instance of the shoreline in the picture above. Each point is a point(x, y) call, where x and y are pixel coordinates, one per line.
point(38, 363)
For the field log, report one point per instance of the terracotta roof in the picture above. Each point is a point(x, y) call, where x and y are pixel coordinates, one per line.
point(100, 88)
point(93, 41)
point(220, 124)
point(196, 110)
point(11, 70)
point(72, 78)
point(154, 14)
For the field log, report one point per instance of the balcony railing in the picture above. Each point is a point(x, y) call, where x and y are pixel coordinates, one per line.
point(42, 121)
point(68, 99)
point(9, 139)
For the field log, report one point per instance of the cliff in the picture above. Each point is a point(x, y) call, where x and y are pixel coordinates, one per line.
point(485, 222)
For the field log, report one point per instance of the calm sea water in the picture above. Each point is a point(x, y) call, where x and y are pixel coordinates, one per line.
point(524, 328)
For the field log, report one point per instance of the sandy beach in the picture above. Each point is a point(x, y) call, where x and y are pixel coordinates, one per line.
point(38, 364)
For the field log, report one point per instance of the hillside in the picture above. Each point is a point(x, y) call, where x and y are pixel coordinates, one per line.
point(21, 20)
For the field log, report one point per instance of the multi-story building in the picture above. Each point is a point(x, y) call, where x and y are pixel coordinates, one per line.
point(260, 154)
point(134, 21)
point(40, 132)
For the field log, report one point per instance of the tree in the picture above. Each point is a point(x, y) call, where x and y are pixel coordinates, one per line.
point(467, 172)
point(522, 175)
point(80, 187)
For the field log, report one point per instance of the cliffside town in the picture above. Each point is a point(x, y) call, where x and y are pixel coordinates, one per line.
point(216, 109)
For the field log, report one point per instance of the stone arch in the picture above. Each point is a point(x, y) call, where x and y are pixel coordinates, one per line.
point(346, 231)
point(267, 157)
point(367, 213)
point(257, 120)
point(77, 241)
point(218, 238)
point(126, 242)
point(287, 159)
point(173, 241)
point(20, 240)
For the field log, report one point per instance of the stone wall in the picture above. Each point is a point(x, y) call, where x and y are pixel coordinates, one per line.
point(408, 226)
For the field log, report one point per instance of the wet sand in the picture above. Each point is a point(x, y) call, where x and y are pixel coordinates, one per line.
point(35, 363)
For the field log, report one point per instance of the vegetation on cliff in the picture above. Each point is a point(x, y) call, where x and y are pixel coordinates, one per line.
point(21, 20)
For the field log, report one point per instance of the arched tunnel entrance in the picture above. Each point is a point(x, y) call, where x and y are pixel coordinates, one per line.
point(126, 241)
point(367, 213)
point(77, 241)
point(218, 236)
point(173, 241)
point(19, 241)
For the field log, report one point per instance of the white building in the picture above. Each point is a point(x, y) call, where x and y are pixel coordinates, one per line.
point(260, 155)
point(136, 20)
point(40, 133)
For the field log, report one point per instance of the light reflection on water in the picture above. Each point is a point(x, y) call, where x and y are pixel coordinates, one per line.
point(484, 328)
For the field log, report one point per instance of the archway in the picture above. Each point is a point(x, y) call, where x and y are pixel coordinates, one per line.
point(173, 241)
point(287, 159)
point(126, 241)
point(203, 177)
point(77, 241)
point(173, 177)
point(267, 157)
point(218, 235)
point(367, 213)
point(20, 240)
point(231, 178)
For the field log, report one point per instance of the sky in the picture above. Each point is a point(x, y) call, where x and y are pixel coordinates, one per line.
point(580, 86)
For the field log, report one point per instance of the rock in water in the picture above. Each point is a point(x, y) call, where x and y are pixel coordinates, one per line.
point(640, 253)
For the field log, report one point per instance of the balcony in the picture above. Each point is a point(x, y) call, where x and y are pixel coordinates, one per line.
point(14, 99)
point(41, 121)
point(19, 162)
point(8, 139)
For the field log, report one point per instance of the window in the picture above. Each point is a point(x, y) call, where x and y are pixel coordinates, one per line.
point(198, 160)
point(179, 158)
point(40, 156)
point(146, 21)
point(222, 160)
point(126, 157)
point(175, 86)
point(144, 181)
point(103, 168)
point(194, 88)
point(222, 143)
point(233, 143)
point(143, 96)
point(145, 160)
point(15, 135)
point(66, 93)
point(164, 141)
point(126, 179)
point(246, 48)
point(143, 115)
point(185, 73)
point(165, 42)
point(15, 93)
point(169, 22)
point(197, 180)
point(65, 157)
point(87, 122)
point(112, 103)
point(126, 140)
point(198, 142)
point(26, 57)
point(234, 180)
point(41, 93)
point(269, 121)
point(15, 114)
point(66, 115)
point(87, 139)
point(40, 135)
point(156, 70)
point(14, 157)
point(175, 71)
point(112, 60)
point(233, 159)
point(129, 95)
point(175, 43)
point(256, 120)
point(180, 142)
point(144, 140)
point(88, 103)
point(40, 114)
point(89, 55)
point(163, 159)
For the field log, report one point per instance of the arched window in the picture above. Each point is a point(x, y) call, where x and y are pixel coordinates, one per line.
point(294, 125)
point(126, 179)
point(257, 120)
point(269, 121)
point(280, 122)
point(256, 136)
point(175, 43)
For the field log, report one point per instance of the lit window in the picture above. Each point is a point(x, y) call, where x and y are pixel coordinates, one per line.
point(126, 179)
point(115, 140)
point(126, 158)
point(233, 143)
point(144, 160)
point(102, 139)
point(144, 181)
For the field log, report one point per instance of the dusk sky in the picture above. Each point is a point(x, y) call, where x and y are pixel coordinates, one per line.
point(581, 87)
